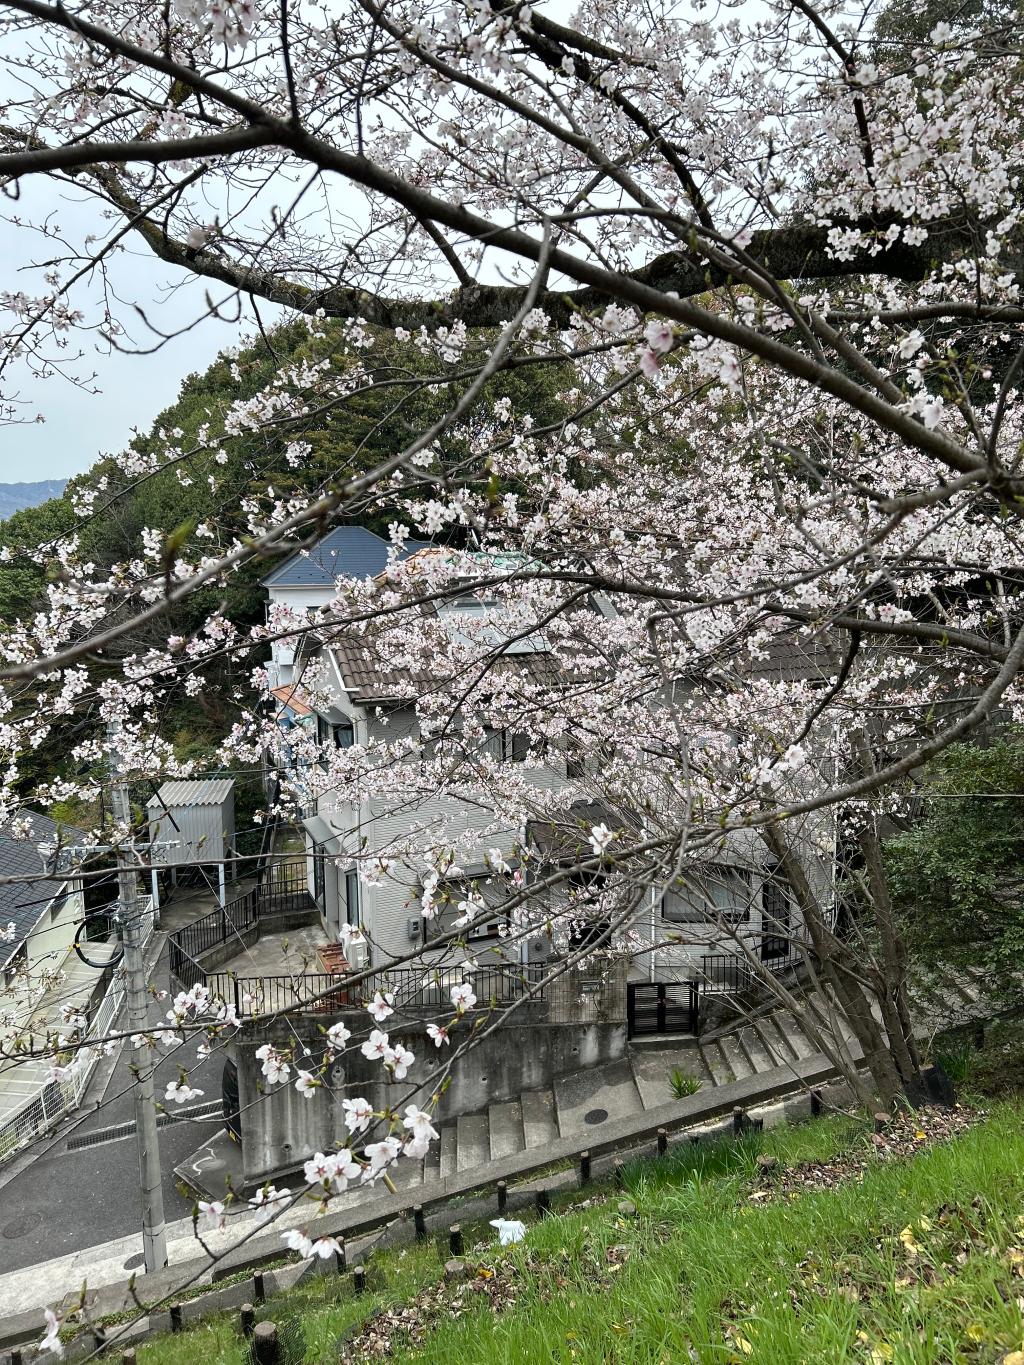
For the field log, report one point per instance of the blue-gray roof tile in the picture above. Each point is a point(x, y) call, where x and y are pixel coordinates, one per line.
point(352, 551)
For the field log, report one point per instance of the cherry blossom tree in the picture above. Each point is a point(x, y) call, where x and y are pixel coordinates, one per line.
point(772, 258)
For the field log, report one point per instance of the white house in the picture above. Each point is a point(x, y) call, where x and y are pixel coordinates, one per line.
point(306, 580)
point(359, 703)
point(355, 698)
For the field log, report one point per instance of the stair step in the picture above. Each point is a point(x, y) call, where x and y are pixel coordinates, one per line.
point(757, 1053)
point(652, 1071)
point(717, 1064)
point(798, 1039)
point(586, 1099)
point(432, 1162)
point(505, 1124)
point(739, 1063)
point(961, 986)
point(407, 1174)
point(538, 1110)
point(835, 1015)
point(772, 1040)
point(473, 1147)
point(449, 1151)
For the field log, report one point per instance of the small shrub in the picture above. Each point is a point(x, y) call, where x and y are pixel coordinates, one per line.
point(956, 1055)
point(681, 1083)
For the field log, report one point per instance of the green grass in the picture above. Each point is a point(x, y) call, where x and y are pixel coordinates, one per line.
point(919, 1261)
point(824, 1277)
point(324, 1307)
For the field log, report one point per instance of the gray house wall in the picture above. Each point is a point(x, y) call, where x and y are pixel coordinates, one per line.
point(376, 826)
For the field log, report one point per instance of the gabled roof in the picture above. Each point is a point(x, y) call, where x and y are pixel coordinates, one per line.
point(293, 699)
point(368, 678)
point(24, 902)
point(352, 551)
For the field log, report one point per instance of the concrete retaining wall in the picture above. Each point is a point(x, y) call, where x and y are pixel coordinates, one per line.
point(281, 1128)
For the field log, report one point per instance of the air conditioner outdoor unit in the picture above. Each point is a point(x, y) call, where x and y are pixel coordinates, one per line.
point(358, 954)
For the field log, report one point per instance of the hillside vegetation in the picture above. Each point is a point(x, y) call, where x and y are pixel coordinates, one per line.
point(208, 489)
point(816, 1243)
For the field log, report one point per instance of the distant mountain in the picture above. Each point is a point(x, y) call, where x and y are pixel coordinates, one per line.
point(15, 496)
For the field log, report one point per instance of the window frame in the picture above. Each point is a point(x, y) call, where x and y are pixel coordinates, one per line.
point(714, 916)
point(491, 929)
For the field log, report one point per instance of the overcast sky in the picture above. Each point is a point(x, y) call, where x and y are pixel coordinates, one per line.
point(81, 425)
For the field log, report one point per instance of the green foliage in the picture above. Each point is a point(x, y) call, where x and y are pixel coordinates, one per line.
point(990, 1070)
point(902, 23)
point(682, 1084)
point(221, 472)
point(957, 876)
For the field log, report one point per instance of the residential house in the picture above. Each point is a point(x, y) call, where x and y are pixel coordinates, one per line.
point(38, 915)
point(686, 932)
point(306, 581)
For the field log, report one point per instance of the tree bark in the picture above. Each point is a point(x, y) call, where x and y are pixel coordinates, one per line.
point(848, 992)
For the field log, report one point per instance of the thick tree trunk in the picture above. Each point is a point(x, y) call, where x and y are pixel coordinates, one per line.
point(848, 991)
point(893, 970)
point(893, 997)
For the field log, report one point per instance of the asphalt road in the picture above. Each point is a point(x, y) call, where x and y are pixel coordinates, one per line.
point(67, 1200)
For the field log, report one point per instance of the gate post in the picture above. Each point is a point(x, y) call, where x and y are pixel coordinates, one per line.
point(630, 1009)
point(662, 1018)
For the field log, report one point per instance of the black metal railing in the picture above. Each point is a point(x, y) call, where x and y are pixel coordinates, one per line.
point(724, 974)
point(734, 973)
point(284, 888)
point(411, 989)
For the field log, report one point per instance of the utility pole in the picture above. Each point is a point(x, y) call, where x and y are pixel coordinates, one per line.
point(154, 1233)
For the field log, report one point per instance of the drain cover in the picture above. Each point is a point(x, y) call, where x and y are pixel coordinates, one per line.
point(133, 1262)
point(595, 1116)
point(21, 1226)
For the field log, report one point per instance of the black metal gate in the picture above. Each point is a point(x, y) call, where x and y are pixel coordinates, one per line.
point(661, 1007)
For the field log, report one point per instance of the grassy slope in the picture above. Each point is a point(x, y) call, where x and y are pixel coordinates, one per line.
point(921, 1261)
point(823, 1276)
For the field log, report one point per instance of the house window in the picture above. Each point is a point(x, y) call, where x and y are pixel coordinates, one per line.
point(507, 746)
point(515, 746)
point(575, 761)
point(16, 963)
point(776, 914)
point(341, 735)
point(352, 897)
point(716, 893)
point(450, 895)
point(588, 924)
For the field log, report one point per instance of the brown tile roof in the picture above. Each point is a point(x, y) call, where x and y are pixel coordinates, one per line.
point(370, 678)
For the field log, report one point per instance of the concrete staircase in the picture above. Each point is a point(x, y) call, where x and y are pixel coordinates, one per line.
point(763, 1043)
point(766, 1042)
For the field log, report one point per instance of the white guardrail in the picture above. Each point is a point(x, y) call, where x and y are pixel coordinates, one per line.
point(52, 1100)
